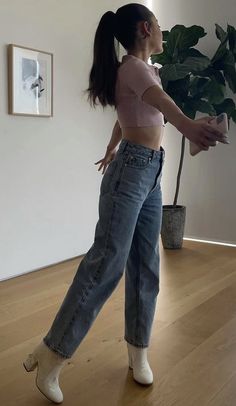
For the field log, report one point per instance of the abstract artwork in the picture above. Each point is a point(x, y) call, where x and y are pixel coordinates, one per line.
point(30, 81)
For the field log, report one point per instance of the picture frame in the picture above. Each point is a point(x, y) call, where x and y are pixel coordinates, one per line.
point(30, 81)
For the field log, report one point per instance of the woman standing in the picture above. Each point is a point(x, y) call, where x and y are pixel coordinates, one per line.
point(130, 203)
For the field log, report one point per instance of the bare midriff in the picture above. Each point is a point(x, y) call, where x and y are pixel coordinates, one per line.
point(150, 137)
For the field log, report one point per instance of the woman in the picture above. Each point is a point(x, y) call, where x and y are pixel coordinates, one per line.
point(130, 205)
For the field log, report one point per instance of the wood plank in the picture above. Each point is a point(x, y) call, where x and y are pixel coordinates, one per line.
point(193, 345)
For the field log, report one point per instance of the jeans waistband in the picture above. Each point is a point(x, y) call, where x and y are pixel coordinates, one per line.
point(129, 146)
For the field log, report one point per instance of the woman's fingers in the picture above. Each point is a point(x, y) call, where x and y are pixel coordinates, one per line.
point(206, 119)
point(103, 165)
point(98, 162)
point(104, 168)
point(104, 162)
point(215, 134)
point(210, 143)
point(212, 130)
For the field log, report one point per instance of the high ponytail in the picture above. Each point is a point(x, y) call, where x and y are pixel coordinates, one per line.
point(112, 28)
point(103, 73)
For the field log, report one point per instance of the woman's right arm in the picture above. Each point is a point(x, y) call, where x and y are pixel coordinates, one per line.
point(115, 137)
point(198, 131)
point(111, 148)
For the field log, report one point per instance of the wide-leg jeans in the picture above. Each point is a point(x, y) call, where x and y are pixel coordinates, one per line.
point(126, 239)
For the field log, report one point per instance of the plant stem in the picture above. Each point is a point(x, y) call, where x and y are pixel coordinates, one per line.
point(180, 170)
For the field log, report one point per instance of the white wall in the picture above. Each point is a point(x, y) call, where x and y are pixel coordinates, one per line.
point(208, 180)
point(48, 181)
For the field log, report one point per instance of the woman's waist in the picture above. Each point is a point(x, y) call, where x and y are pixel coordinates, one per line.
point(132, 149)
point(150, 137)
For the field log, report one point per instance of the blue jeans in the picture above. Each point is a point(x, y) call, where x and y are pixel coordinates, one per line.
point(126, 236)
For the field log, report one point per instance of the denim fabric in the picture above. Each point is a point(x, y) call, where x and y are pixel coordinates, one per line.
point(126, 238)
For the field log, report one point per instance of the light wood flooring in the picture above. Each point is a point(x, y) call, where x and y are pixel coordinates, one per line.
point(193, 346)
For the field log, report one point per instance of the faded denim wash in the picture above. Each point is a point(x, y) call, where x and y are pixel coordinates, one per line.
point(126, 238)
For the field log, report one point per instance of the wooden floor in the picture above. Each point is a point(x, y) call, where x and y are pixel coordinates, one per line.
point(193, 346)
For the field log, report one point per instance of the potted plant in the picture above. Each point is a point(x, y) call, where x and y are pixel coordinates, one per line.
point(197, 84)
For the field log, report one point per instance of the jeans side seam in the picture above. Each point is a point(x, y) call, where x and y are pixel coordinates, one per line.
point(137, 300)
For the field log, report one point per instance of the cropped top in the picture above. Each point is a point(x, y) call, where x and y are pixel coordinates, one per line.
point(133, 78)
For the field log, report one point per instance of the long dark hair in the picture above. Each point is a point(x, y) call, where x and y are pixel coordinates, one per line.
point(120, 26)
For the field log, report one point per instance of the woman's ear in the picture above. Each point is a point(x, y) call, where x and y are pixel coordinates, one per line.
point(144, 29)
point(147, 27)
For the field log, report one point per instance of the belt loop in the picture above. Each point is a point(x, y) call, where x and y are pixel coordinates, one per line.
point(121, 147)
point(124, 145)
point(162, 158)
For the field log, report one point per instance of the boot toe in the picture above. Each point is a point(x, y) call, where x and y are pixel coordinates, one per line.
point(143, 376)
point(53, 394)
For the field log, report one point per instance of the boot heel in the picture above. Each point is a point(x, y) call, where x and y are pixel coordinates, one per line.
point(30, 363)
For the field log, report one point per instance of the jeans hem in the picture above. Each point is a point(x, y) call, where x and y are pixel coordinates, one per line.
point(135, 344)
point(51, 347)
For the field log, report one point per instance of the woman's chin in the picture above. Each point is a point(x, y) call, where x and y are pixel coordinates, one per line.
point(158, 50)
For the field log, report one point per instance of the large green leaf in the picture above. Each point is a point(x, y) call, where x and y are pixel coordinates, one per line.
point(232, 39)
point(218, 76)
point(181, 37)
point(165, 35)
point(233, 115)
point(229, 70)
point(230, 76)
point(227, 106)
point(180, 70)
point(215, 91)
point(173, 40)
point(197, 64)
point(183, 54)
point(213, 73)
point(189, 111)
point(198, 86)
point(204, 107)
point(220, 33)
point(190, 36)
point(192, 105)
point(179, 89)
point(227, 65)
point(219, 55)
point(173, 72)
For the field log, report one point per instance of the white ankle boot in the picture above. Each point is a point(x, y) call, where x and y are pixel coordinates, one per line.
point(49, 365)
point(142, 372)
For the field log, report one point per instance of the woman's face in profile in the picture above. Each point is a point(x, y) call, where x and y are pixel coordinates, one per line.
point(156, 37)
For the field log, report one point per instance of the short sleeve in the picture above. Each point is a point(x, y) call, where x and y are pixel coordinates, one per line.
point(140, 77)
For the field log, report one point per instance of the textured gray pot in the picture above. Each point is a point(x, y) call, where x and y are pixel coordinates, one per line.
point(172, 230)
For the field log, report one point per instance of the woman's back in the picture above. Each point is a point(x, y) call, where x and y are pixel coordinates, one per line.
point(133, 78)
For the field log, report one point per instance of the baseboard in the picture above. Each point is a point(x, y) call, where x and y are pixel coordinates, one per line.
point(41, 268)
point(227, 244)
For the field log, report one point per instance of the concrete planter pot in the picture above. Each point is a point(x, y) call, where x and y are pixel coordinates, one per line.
point(172, 230)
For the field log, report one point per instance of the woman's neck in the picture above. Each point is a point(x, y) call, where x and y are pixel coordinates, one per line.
point(142, 54)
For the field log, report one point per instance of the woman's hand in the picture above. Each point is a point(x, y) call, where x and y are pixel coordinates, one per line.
point(202, 133)
point(109, 156)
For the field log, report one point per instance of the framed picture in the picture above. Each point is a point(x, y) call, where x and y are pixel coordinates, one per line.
point(30, 81)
